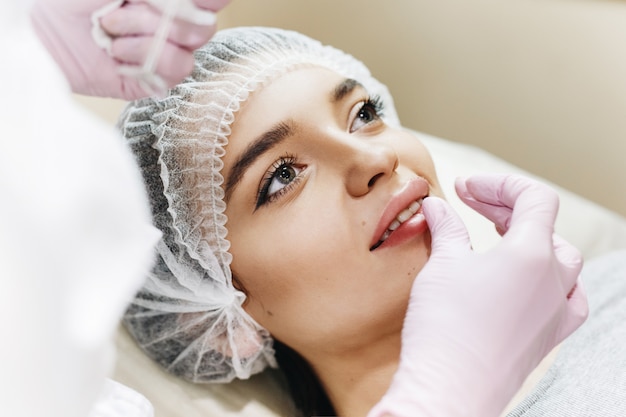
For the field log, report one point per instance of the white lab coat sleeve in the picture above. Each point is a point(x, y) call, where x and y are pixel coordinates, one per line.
point(76, 239)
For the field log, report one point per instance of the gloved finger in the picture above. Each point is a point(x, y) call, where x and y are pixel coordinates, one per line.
point(213, 5)
point(571, 262)
point(187, 10)
point(141, 19)
point(446, 227)
point(499, 215)
point(173, 65)
point(532, 202)
point(577, 311)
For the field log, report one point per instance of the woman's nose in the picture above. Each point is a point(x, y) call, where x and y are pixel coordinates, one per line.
point(367, 164)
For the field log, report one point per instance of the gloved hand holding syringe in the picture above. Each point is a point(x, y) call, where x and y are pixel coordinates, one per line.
point(151, 82)
point(125, 48)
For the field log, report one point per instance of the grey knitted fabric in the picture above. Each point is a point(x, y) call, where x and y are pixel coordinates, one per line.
point(588, 377)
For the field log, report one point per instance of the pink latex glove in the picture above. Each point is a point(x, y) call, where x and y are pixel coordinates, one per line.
point(478, 324)
point(65, 28)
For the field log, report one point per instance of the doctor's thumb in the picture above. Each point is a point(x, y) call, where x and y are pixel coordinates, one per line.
point(446, 227)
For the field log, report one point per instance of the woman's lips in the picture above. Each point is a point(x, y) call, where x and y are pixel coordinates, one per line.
point(402, 217)
point(406, 218)
point(415, 226)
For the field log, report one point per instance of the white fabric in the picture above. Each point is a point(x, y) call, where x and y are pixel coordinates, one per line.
point(75, 234)
point(117, 400)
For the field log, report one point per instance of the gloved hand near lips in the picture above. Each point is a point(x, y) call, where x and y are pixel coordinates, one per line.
point(478, 324)
point(125, 30)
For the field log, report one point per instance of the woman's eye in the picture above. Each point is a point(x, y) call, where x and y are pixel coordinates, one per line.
point(284, 174)
point(371, 110)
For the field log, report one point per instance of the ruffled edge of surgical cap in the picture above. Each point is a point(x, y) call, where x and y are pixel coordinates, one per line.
point(188, 316)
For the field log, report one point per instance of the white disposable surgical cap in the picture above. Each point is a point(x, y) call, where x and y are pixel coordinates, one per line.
point(188, 316)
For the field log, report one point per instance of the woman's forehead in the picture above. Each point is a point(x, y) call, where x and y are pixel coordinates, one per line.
point(297, 87)
point(291, 99)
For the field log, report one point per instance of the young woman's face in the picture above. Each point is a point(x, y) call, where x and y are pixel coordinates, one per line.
point(314, 179)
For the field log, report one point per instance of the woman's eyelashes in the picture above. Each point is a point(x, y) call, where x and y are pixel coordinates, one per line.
point(370, 110)
point(283, 175)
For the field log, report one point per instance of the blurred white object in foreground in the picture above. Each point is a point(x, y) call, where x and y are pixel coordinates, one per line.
point(75, 234)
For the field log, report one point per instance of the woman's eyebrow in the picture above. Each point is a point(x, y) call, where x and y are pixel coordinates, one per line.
point(269, 139)
point(262, 144)
point(344, 88)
